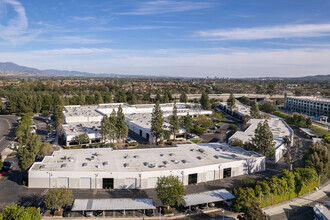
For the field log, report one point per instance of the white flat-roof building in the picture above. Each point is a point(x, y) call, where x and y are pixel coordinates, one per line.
point(139, 168)
point(279, 128)
point(239, 110)
point(309, 105)
point(87, 119)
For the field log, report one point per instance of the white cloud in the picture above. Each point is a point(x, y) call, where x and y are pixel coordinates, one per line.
point(180, 62)
point(16, 29)
point(274, 32)
point(87, 18)
point(167, 6)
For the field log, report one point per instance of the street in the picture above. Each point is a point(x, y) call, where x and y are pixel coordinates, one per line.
point(7, 130)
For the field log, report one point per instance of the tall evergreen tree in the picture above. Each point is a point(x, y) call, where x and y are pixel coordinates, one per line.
point(121, 124)
point(98, 98)
point(263, 141)
point(157, 121)
point(205, 102)
point(113, 125)
point(254, 111)
point(105, 128)
point(183, 97)
point(188, 124)
point(174, 121)
point(231, 101)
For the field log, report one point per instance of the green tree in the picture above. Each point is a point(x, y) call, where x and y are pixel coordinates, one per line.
point(113, 125)
point(131, 97)
point(105, 128)
point(268, 107)
point(157, 121)
point(236, 142)
point(121, 124)
point(263, 140)
point(253, 212)
point(188, 124)
point(170, 190)
point(57, 198)
point(15, 212)
point(243, 198)
point(254, 111)
point(82, 138)
point(98, 98)
point(183, 97)
point(174, 121)
point(317, 157)
point(204, 121)
point(231, 101)
point(217, 116)
point(205, 102)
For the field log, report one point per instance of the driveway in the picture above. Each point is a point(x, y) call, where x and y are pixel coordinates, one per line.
point(41, 126)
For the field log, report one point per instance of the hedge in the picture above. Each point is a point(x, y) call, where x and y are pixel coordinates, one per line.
point(287, 185)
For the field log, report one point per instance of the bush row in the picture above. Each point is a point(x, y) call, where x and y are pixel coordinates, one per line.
point(274, 190)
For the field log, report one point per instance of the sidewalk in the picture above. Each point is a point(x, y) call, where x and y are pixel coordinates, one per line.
point(298, 201)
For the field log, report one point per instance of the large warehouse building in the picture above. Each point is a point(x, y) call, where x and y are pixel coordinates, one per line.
point(87, 119)
point(279, 128)
point(140, 168)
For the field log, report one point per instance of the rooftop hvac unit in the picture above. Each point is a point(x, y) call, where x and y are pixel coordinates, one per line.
point(105, 163)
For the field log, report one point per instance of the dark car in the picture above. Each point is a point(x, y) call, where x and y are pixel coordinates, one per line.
point(7, 165)
point(150, 212)
point(67, 211)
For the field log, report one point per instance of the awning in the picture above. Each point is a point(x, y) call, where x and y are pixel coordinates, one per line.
point(207, 197)
point(112, 204)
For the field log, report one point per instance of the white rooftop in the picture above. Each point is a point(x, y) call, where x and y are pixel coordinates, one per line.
point(142, 160)
point(278, 127)
point(311, 98)
point(207, 197)
point(112, 204)
point(240, 108)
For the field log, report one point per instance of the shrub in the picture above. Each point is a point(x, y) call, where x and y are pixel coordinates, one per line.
point(233, 127)
point(247, 182)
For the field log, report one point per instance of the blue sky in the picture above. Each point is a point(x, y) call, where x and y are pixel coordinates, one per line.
point(224, 38)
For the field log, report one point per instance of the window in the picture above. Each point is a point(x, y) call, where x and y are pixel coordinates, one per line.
point(192, 178)
point(226, 172)
point(107, 183)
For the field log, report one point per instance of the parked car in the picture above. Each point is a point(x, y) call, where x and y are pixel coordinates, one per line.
point(7, 165)
point(130, 140)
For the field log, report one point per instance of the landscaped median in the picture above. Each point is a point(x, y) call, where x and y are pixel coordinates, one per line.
point(287, 185)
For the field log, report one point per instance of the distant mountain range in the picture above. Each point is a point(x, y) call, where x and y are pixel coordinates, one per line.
point(8, 69)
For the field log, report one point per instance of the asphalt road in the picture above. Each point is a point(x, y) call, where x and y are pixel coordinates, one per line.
point(41, 126)
point(8, 124)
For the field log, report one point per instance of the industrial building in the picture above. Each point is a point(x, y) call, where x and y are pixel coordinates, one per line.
point(279, 128)
point(106, 168)
point(239, 110)
point(87, 119)
point(312, 106)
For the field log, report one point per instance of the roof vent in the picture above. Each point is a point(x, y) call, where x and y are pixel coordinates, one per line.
point(84, 164)
point(183, 161)
point(199, 158)
point(105, 163)
point(165, 162)
point(216, 156)
point(42, 166)
point(63, 165)
point(97, 166)
point(126, 165)
point(145, 163)
point(161, 155)
point(136, 156)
